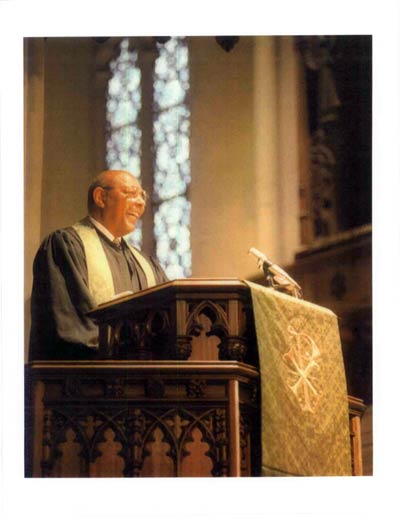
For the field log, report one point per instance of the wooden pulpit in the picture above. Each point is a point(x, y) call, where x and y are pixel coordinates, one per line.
point(174, 391)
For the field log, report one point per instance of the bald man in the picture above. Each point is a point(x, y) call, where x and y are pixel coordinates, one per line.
point(82, 266)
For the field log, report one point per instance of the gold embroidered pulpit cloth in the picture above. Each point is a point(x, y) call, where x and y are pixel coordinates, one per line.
point(304, 416)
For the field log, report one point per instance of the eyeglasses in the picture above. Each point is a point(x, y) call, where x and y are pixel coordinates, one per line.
point(131, 194)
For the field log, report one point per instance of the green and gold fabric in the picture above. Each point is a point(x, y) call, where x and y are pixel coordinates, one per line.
point(304, 416)
point(100, 279)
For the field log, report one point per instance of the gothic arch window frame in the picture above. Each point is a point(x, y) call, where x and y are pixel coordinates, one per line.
point(163, 127)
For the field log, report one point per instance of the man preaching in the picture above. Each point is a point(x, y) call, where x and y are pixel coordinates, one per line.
point(81, 266)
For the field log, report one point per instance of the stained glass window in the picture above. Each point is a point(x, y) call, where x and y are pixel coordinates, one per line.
point(123, 132)
point(171, 161)
point(172, 165)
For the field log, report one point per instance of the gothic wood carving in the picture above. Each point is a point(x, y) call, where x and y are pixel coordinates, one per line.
point(143, 336)
point(232, 347)
point(134, 431)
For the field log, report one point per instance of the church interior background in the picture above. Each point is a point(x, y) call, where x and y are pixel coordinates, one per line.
point(240, 142)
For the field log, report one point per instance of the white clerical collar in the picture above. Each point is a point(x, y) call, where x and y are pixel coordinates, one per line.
point(104, 231)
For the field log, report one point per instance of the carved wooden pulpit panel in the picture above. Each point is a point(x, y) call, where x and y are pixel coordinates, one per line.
point(174, 392)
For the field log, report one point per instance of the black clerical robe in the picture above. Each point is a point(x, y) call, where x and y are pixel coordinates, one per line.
point(61, 297)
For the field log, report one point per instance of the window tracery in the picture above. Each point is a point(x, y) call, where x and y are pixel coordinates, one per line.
point(171, 132)
point(124, 102)
point(171, 128)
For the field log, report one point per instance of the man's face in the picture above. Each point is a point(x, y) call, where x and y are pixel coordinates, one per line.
point(123, 204)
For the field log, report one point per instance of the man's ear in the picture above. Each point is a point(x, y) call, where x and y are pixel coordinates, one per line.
point(99, 197)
